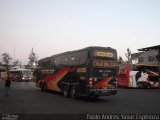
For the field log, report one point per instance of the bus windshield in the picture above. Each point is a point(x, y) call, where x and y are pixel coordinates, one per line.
point(16, 73)
point(27, 73)
point(104, 63)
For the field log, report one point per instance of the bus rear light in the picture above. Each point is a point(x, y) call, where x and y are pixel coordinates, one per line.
point(90, 81)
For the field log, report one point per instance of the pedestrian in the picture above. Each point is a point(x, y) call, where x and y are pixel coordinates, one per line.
point(7, 83)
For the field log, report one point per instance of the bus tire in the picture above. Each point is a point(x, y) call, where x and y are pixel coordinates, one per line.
point(148, 86)
point(139, 85)
point(65, 92)
point(94, 97)
point(73, 93)
point(44, 87)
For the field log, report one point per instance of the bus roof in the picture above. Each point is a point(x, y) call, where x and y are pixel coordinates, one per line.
point(86, 48)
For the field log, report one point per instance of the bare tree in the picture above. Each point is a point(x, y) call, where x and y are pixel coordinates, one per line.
point(6, 58)
point(128, 55)
point(120, 60)
point(17, 63)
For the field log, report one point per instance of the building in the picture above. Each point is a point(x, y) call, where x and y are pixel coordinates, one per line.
point(148, 55)
point(135, 57)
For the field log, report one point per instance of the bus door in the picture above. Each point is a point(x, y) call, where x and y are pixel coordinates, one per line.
point(123, 77)
point(82, 73)
point(132, 79)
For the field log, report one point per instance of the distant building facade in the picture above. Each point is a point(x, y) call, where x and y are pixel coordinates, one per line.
point(148, 56)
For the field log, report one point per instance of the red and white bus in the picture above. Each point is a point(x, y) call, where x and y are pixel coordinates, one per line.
point(21, 74)
point(138, 75)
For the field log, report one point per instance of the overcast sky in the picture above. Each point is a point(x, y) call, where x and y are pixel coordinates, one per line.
point(55, 26)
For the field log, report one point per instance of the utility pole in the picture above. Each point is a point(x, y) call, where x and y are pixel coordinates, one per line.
point(14, 54)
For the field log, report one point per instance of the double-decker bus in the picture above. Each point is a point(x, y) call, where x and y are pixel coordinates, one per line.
point(138, 75)
point(91, 71)
point(21, 74)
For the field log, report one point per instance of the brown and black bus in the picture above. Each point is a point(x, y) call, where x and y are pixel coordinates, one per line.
point(91, 71)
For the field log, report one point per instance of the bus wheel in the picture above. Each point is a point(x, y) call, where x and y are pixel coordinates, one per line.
point(73, 93)
point(44, 87)
point(140, 85)
point(65, 92)
point(94, 97)
point(149, 85)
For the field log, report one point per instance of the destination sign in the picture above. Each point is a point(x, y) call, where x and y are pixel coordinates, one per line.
point(104, 64)
point(104, 54)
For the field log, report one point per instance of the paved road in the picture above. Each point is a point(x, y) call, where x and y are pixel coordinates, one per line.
point(25, 98)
